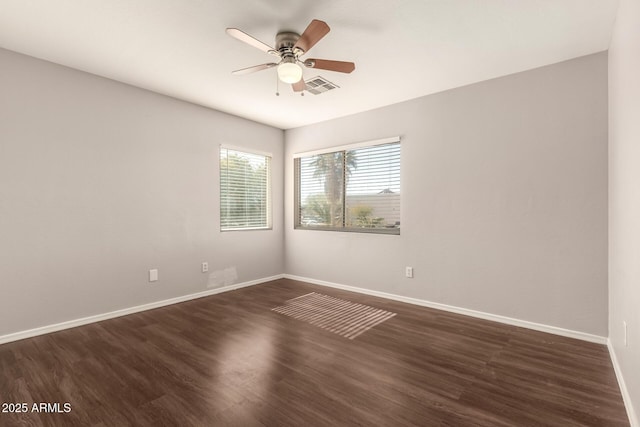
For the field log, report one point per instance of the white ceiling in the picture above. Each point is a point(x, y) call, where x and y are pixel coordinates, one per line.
point(403, 49)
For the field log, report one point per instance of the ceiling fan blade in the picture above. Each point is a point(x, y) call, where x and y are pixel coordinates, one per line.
point(312, 35)
point(253, 69)
point(299, 86)
point(326, 64)
point(252, 41)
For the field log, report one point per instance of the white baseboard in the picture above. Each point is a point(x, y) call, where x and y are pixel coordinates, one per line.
point(467, 312)
point(100, 317)
point(631, 413)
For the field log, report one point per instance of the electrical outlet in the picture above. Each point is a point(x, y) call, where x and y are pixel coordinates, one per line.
point(153, 275)
point(205, 267)
point(408, 271)
point(624, 327)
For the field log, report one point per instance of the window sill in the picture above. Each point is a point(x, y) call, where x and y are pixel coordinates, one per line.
point(388, 231)
point(246, 229)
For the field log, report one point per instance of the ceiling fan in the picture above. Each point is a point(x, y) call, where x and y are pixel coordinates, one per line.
point(289, 48)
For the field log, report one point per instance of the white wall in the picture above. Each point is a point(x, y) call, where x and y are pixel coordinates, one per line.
point(624, 198)
point(504, 199)
point(100, 181)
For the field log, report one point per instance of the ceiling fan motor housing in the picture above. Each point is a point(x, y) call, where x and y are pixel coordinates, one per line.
point(285, 42)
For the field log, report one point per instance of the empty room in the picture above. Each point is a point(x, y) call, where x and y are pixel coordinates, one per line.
point(336, 213)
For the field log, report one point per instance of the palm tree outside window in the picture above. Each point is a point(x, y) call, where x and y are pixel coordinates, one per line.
point(352, 189)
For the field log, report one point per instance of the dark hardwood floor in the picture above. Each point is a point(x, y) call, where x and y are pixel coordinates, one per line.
point(229, 360)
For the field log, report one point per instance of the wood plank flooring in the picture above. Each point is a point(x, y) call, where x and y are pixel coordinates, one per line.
point(229, 360)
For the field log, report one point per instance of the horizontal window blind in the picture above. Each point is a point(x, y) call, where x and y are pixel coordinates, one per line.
point(244, 190)
point(373, 187)
point(350, 190)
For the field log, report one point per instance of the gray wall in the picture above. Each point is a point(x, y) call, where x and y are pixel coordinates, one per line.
point(504, 199)
point(624, 197)
point(100, 181)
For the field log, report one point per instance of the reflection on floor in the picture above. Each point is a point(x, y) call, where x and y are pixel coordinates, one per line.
point(339, 316)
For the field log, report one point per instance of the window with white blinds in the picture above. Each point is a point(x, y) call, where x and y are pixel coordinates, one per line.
point(351, 189)
point(244, 190)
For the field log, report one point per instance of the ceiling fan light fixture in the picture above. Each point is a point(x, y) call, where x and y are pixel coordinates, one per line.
point(289, 72)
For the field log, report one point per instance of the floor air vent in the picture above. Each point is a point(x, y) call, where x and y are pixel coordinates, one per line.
point(318, 85)
point(339, 316)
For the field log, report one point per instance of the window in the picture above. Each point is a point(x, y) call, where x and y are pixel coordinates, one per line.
point(245, 196)
point(352, 189)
